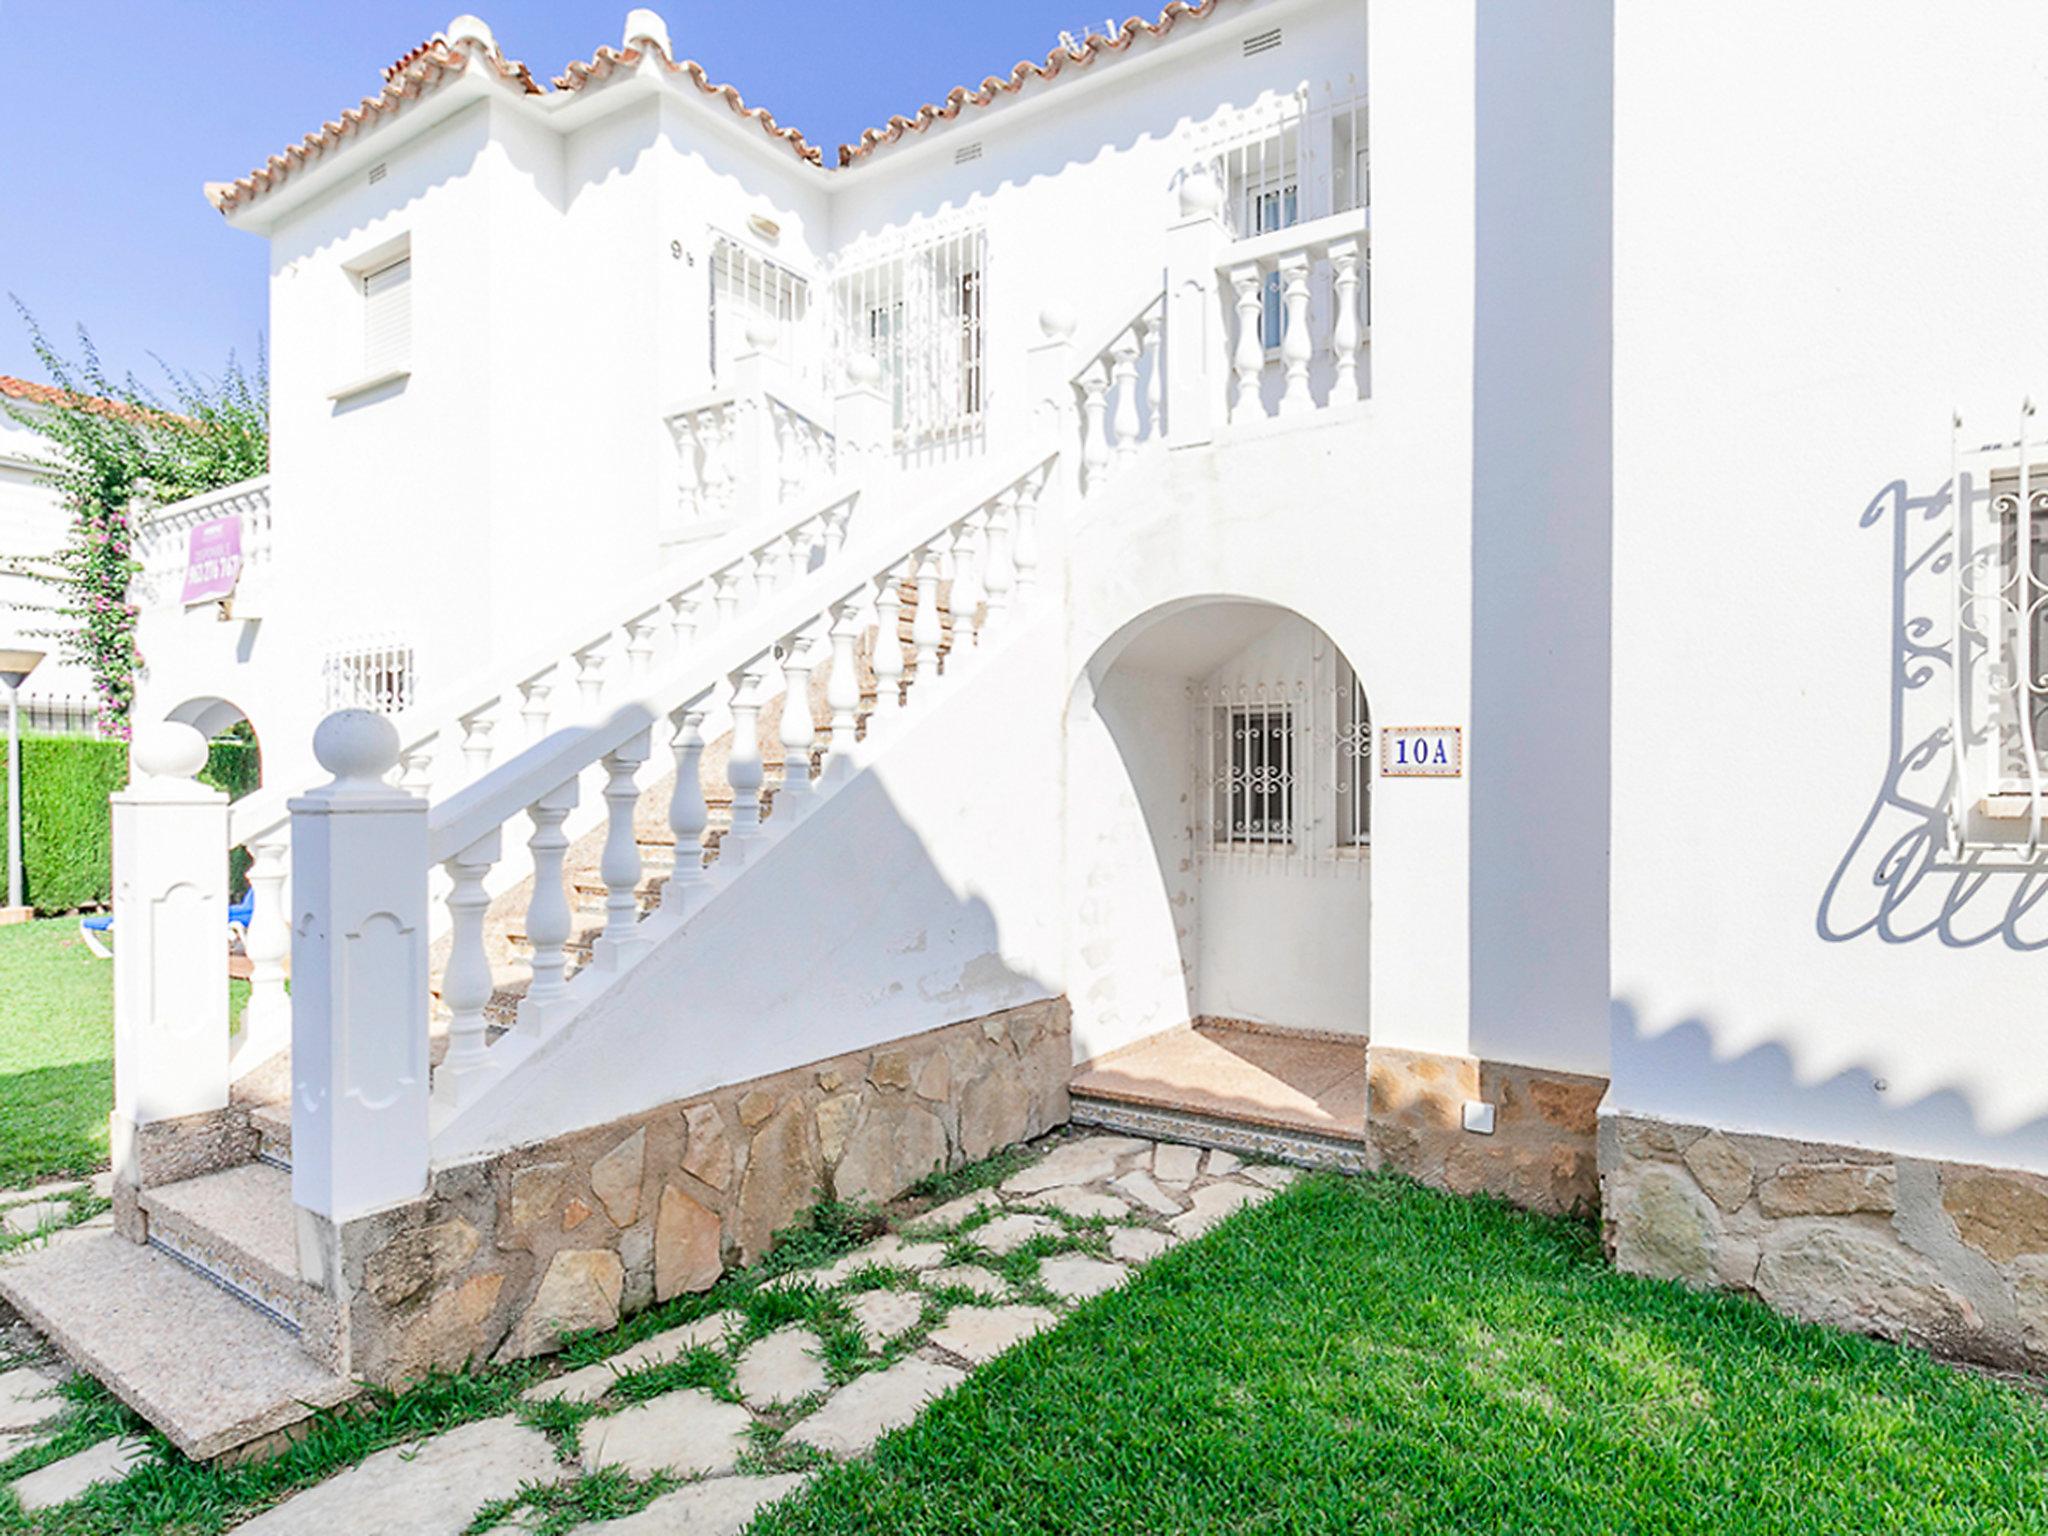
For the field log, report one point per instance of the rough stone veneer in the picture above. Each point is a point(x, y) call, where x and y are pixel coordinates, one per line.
point(1951, 1256)
point(505, 1254)
point(1541, 1155)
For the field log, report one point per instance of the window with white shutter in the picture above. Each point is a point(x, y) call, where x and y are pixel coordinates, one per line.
point(387, 317)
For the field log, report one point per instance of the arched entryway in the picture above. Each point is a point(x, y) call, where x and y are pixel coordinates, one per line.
point(1220, 862)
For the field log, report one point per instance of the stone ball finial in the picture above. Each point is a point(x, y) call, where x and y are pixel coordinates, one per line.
point(168, 749)
point(645, 25)
point(471, 29)
point(1058, 320)
point(863, 369)
point(357, 746)
point(762, 333)
point(1199, 193)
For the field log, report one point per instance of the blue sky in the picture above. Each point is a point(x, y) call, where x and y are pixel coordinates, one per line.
point(116, 111)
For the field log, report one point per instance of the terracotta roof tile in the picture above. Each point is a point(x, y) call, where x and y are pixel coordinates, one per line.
point(1077, 56)
point(31, 393)
point(418, 73)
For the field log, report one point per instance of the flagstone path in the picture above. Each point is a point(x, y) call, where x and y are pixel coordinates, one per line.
point(741, 1406)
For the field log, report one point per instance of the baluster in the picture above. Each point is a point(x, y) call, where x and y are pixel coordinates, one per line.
point(888, 658)
point(1248, 359)
point(999, 574)
point(689, 483)
point(798, 731)
point(746, 578)
point(640, 645)
point(1124, 350)
point(802, 540)
point(1094, 444)
point(970, 554)
point(789, 454)
point(416, 766)
point(590, 673)
point(476, 740)
point(1344, 333)
point(1296, 346)
point(466, 983)
point(619, 944)
point(267, 1017)
point(927, 632)
point(549, 921)
point(727, 600)
point(743, 766)
point(842, 688)
point(1149, 332)
point(771, 566)
point(1024, 543)
point(836, 518)
point(719, 473)
point(536, 695)
point(688, 816)
point(684, 610)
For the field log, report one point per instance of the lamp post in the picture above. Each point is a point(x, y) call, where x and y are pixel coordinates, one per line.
point(15, 667)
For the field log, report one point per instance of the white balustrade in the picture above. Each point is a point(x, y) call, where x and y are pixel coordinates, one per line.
point(888, 658)
point(688, 815)
point(267, 1015)
point(466, 982)
point(743, 768)
point(927, 632)
point(160, 539)
point(842, 687)
point(1120, 391)
point(1297, 300)
point(798, 732)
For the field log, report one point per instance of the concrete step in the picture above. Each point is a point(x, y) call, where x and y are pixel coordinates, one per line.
point(238, 1228)
point(1161, 1121)
point(273, 1124)
point(209, 1371)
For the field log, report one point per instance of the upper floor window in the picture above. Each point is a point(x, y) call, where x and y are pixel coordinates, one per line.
point(375, 672)
point(1287, 159)
point(748, 289)
point(387, 315)
point(916, 304)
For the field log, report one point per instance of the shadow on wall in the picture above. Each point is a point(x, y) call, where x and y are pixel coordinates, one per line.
point(1897, 880)
point(1717, 1089)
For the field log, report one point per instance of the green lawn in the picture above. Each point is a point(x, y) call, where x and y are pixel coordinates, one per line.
point(1364, 1355)
point(56, 1051)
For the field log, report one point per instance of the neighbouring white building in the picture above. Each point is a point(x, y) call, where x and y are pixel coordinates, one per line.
point(1490, 658)
point(34, 523)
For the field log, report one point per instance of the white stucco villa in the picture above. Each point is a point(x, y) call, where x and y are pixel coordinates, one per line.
point(1490, 658)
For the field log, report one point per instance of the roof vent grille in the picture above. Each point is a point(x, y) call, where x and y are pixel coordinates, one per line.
point(1262, 42)
point(377, 173)
point(967, 152)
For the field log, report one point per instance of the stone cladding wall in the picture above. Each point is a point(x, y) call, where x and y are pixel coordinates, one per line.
point(1951, 1256)
point(506, 1254)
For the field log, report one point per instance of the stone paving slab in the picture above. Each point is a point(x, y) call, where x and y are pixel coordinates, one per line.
point(1272, 1175)
point(1221, 1164)
point(1076, 1276)
point(586, 1385)
point(130, 1315)
point(26, 1220)
point(433, 1488)
point(48, 1191)
point(1174, 1164)
point(1141, 1187)
point(866, 1409)
point(890, 1252)
point(1085, 1204)
point(62, 1481)
point(673, 1343)
point(978, 1334)
point(723, 1506)
point(1138, 1245)
point(689, 1433)
point(1212, 1203)
point(1006, 1234)
point(1078, 1162)
point(972, 1277)
point(781, 1367)
point(883, 1315)
point(24, 1398)
point(953, 1212)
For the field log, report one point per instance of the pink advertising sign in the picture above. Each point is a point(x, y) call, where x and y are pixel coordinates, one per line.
point(213, 559)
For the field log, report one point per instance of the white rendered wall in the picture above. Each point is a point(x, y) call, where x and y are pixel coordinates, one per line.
point(33, 521)
point(1825, 240)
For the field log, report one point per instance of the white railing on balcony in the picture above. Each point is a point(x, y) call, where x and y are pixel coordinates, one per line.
point(162, 538)
point(1121, 393)
point(1290, 158)
point(1308, 354)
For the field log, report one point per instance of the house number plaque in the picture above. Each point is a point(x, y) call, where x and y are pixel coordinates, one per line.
point(1422, 752)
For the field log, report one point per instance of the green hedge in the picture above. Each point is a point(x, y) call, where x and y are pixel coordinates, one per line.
point(66, 827)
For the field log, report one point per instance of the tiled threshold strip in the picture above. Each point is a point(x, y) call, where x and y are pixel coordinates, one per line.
point(697, 1426)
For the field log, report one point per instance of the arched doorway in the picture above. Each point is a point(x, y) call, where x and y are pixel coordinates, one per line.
point(1220, 859)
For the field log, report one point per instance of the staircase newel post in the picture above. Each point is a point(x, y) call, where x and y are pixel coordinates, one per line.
point(1053, 365)
point(170, 940)
point(359, 987)
point(861, 415)
point(1194, 355)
